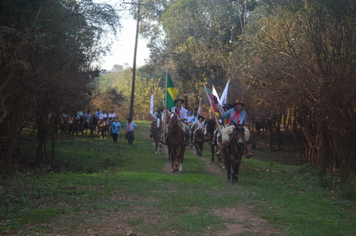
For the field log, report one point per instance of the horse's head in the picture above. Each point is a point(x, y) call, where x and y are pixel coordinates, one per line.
point(158, 123)
point(239, 132)
point(173, 122)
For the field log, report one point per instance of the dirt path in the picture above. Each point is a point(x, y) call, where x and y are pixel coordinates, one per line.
point(241, 220)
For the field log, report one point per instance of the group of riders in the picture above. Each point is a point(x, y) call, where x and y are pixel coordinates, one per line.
point(232, 114)
point(103, 122)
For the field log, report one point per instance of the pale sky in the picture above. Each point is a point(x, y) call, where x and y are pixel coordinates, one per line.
point(123, 48)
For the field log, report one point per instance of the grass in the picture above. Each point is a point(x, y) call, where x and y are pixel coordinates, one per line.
point(105, 188)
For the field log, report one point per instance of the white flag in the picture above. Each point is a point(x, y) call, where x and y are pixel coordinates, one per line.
point(223, 99)
point(151, 104)
point(215, 93)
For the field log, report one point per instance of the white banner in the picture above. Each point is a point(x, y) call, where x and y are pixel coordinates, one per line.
point(223, 99)
point(151, 104)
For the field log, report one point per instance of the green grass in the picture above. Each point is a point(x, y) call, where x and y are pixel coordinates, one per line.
point(112, 188)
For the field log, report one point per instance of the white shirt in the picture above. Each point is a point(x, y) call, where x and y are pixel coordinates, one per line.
point(200, 125)
point(101, 116)
point(112, 115)
point(105, 115)
point(183, 112)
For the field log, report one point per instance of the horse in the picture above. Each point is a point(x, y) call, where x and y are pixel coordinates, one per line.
point(175, 138)
point(90, 124)
point(232, 154)
point(103, 128)
point(64, 126)
point(156, 134)
point(210, 128)
point(199, 141)
point(75, 126)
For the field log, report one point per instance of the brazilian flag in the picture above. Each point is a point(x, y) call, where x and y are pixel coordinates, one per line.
point(171, 93)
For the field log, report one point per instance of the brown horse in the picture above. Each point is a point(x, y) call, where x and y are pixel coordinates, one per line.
point(232, 154)
point(103, 128)
point(199, 141)
point(156, 134)
point(175, 138)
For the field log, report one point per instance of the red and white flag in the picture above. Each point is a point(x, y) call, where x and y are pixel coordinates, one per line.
point(213, 90)
point(200, 110)
point(223, 99)
point(151, 105)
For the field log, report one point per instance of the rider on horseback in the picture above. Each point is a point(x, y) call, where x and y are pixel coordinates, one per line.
point(182, 118)
point(199, 125)
point(156, 115)
point(238, 116)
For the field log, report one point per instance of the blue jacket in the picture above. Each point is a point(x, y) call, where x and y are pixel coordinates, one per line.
point(115, 127)
point(231, 112)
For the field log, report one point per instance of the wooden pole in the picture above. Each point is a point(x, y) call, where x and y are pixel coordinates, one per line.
point(134, 62)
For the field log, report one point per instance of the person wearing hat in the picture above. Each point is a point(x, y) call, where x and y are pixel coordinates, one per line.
point(156, 115)
point(97, 113)
point(182, 117)
point(238, 116)
point(226, 107)
point(129, 129)
point(199, 125)
point(105, 116)
point(112, 115)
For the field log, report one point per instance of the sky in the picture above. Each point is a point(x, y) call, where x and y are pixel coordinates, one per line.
point(122, 50)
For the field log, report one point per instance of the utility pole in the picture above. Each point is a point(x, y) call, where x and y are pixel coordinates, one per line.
point(134, 60)
point(135, 53)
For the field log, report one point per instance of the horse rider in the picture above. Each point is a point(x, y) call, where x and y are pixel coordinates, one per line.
point(193, 119)
point(199, 125)
point(97, 113)
point(182, 118)
point(237, 115)
point(87, 115)
point(105, 116)
point(130, 127)
point(226, 107)
point(100, 117)
point(156, 115)
point(112, 116)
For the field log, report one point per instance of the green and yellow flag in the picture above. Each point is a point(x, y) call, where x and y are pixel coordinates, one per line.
point(171, 93)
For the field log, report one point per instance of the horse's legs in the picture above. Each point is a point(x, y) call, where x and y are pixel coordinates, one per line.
point(234, 174)
point(212, 153)
point(159, 151)
point(237, 170)
point(181, 157)
point(173, 157)
point(156, 147)
point(228, 169)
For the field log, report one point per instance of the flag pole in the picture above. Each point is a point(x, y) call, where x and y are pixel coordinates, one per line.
point(216, 120)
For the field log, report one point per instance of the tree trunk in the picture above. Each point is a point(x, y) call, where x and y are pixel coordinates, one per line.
point(14, 125)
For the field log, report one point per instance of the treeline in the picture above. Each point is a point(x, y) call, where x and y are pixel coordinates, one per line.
point(293, 61)
point(48, 49)
point(119, 79)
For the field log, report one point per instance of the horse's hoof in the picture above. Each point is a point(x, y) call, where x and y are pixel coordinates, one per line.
point(155, 152)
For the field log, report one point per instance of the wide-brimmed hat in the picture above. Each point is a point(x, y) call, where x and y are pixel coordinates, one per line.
point(178, 99)
point(239, 102)
point(201, 117)
point(160, 109)
point(129, 119)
